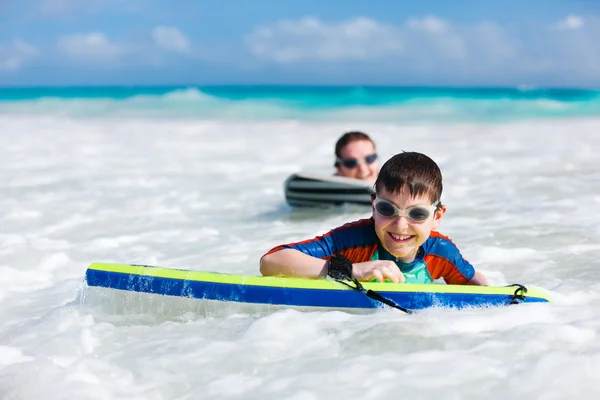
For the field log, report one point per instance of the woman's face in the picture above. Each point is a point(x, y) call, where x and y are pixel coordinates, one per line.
point(354, 161)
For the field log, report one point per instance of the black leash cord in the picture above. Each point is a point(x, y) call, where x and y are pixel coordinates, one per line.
point(519, 294)
point(340, 269)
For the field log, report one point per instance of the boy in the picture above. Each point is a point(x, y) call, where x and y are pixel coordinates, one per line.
point(396, 243)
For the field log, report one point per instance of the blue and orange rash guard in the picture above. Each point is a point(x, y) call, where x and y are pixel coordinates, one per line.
point(358, 242)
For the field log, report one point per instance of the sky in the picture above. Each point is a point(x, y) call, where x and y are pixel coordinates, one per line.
point(547, 43)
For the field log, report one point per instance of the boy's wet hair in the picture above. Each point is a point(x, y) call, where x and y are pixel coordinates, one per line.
point(348, 138)
point(413, 171)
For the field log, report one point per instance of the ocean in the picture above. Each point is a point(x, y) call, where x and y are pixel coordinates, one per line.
point(307, 103)
point(192, 177)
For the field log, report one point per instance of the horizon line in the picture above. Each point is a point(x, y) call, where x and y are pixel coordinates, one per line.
point(522, 87)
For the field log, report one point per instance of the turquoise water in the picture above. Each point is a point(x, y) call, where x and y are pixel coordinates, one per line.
point(343, 103)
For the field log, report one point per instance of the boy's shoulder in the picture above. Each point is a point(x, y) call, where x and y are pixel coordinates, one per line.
point(439, 236)
point(360, 224)
point(356, 233)
point(440, 245)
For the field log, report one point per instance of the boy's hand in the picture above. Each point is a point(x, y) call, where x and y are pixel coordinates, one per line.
point(379, 269)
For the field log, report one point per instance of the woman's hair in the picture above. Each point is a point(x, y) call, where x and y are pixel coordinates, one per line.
point(348, 138)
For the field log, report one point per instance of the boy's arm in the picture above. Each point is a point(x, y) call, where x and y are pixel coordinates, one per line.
point(308, 258)
point(290, 262)
point(444, 260)
point(479, 279)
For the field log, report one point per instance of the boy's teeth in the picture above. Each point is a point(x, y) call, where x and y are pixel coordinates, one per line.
point(400, 237)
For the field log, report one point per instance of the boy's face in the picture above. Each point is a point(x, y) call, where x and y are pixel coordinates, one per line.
point(399, 235)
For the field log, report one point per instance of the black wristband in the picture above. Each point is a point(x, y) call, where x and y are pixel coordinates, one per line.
point(340, 267)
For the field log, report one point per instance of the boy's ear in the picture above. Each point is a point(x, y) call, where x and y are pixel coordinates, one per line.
point(437, 217)
point(373, 196)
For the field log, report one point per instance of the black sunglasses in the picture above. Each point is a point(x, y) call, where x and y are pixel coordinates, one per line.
point(353, 162)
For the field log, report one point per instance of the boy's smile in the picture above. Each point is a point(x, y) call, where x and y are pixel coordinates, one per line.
point(401, 238)
point(399, 235)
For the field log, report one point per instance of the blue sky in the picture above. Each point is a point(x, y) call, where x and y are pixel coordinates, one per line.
point(391, 42)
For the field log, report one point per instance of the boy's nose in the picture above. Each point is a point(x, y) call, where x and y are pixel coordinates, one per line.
point(402, 222)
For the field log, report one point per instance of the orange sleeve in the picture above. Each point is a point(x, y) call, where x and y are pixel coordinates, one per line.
point(440, 267)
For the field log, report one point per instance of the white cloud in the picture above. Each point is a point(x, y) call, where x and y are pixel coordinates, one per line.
point(83, 6)
point(489, 42)
point(15, 55)
point(93, 46)
point(12, 63)
point(571, 22)
point(310, 39)
point(427, 45)
point(57, 6)
point(25, 49)
point(432, 35)
point(578, 52)
point(429, 24)
point(171, 38)
point(418, 39)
